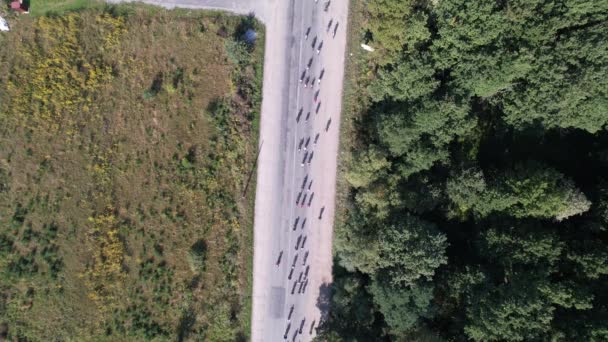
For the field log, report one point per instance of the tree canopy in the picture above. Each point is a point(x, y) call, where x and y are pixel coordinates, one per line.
point(527, 190)
point(476, 182)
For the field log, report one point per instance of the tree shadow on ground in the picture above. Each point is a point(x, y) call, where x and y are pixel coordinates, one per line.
point(324, 301)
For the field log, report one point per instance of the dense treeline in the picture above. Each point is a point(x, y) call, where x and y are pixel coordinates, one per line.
point(478, 184)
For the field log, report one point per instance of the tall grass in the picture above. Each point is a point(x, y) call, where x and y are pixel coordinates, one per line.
point(128, 134)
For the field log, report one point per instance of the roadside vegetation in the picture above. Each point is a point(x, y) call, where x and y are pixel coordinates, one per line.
point(474, 188)
point(127, 134)
point(56, 7)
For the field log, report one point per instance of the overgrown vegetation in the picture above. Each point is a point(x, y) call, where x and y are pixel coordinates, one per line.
point(127, 135)
point(474, 190)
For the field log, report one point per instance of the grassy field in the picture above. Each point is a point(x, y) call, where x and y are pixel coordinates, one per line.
point(45, 7)
point(127, 135)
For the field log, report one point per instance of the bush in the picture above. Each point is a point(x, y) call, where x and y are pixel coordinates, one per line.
point(198, 256)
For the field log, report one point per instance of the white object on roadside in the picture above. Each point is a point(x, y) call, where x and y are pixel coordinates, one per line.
point(3, 25)
point(367, 48)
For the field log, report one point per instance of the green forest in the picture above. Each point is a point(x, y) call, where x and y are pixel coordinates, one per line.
point(474, 197)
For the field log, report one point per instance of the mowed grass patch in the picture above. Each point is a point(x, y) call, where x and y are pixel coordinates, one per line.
point(127, 136)
point(44, 7)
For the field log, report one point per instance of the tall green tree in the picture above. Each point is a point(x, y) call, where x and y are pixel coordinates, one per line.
point(408, 250)
point(589, 257)
point(539, 61)
point(528, 190)
point(387, 26)
point(401, 307)
point(409, 79)
point(367, 166)
point(476, 46)
point(356, 242)
point(520, 308)
point(419, 134)
point(509, 312)
point(527, 243)
point(411, 250)
point(352, 313)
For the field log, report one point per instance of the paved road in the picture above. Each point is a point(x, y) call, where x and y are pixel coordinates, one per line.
point(236, 6)
point(281, 178)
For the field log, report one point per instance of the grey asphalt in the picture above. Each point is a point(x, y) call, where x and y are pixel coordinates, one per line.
point(280, 174)
point(234, 6)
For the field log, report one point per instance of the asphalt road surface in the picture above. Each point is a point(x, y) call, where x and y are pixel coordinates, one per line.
point(295, 197)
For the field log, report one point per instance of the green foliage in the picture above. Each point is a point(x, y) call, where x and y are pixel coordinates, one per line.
point(521, 308)
point(421, 133)
point(367, 167)
point(236, 51)
point(590, 259)
point(565, 90)
point(350, 295)
point(386, 25)
point(514, 312)
point(528, 244)
point(529, 190)
point(377, 200)
point(352, 310)
point(466, 189)
point(222, 329)
point(528, 55)
point(410, 250)
point(401, 307)
point(358, 244)
point(474, 47)
point(475, 163)
point(409, 79)
point(433, 126)
point(198, 256)
point(406, 251)
point(461, 283)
